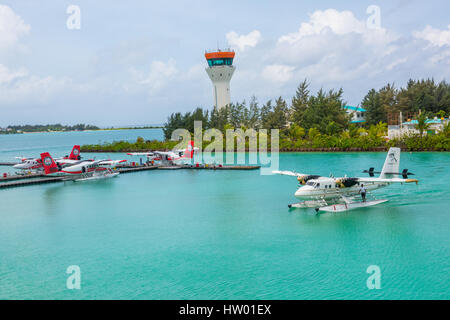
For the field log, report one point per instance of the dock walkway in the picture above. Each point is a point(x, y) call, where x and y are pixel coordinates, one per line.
point(33, 179)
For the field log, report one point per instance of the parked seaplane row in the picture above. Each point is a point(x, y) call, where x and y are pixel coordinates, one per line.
point(34, 165)
point(339, 194)
point(73, 165)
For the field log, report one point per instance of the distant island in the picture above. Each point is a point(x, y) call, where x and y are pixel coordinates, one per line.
point(18, 129)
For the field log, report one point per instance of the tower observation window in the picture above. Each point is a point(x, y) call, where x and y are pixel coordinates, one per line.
point(220, 62)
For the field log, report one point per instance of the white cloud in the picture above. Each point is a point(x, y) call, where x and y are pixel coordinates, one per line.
point(334, 49)
point(396, 63)
point(7, 76)
point(436, 37)
point(161, 73)
point(278, 73)
point(12, 27)
point(334, 46)
point(329, 20)
point(242, 42)
point(17, 86)
point(441, 58)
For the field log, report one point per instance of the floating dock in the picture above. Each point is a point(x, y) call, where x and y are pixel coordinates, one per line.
point(209, 167)
point(33, 179)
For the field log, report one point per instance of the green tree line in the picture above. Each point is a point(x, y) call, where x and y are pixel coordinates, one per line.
point(51, 127)
point(320, 121)
point(419, 95)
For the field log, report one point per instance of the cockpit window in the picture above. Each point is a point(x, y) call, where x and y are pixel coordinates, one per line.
point(310, 183)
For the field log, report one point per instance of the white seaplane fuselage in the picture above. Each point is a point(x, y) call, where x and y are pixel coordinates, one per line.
point(330, 188)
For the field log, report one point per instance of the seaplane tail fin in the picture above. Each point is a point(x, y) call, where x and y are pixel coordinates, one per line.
point(391, 164)
point(189, 152)
point(49, 164)
point(75, 154)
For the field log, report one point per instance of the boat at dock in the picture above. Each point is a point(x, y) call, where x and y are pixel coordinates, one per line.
point(99, 176)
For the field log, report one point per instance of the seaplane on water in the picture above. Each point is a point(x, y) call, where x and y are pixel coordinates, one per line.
point(35, 165)
point(168, 157)
point(82, 169)
point(332, 194)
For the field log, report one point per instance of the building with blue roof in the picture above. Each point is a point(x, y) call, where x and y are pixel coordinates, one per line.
point(435, 125)
point(357, 114)
point(409, 127)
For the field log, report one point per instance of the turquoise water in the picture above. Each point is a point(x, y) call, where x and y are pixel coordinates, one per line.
point(223, 234)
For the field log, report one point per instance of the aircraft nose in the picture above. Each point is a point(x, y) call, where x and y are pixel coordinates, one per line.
point(302, 191)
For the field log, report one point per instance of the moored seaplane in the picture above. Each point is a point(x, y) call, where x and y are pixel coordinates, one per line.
point(82, 170)
point(332, 194)
point(35, 165)
point(169, 157)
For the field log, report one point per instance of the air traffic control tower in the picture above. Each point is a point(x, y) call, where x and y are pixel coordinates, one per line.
point(220, 70)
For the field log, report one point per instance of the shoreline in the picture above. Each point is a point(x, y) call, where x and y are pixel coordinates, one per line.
point(107, 129)
point(302, 150)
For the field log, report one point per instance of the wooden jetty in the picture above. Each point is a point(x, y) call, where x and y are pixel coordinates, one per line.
point(29, 182)
point(21, 177)
point(33, 179)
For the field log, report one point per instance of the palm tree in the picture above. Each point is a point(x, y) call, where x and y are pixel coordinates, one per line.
point(446, 129)
point(422, 123)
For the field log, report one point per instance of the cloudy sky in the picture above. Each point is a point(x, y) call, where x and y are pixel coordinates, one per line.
point(135, 62)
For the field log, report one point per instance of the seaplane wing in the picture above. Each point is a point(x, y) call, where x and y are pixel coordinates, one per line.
point(64, 163)
point(289, 173)
point(302, 178)
point(110, 162)
point(384, 180)
point(195, 149)
point(165, 153)
point(140, 153)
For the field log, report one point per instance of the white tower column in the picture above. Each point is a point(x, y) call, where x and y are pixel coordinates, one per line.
point(220, 77)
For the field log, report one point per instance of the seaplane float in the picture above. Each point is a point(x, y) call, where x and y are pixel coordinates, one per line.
point(331, 194)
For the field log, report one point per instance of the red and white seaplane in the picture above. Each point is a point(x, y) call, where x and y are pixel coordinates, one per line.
point(35, 165)
point(332, 194)
point(169, 157)
point(82, 169)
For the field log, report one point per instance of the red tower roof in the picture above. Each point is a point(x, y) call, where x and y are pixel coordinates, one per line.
point(219, 55)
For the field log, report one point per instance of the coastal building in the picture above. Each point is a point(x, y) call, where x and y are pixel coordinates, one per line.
point(357, 114)
point(409, 127)
point(220, 70)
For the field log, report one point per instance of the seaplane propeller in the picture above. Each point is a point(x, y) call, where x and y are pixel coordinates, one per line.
point(304, 179)
point(404, 173)
point(346, 182)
